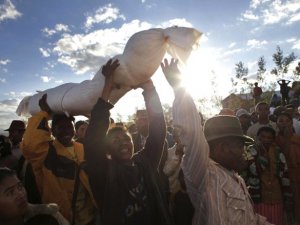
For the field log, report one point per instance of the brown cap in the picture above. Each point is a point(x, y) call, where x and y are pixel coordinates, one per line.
point(224, 126)
point(16, 125)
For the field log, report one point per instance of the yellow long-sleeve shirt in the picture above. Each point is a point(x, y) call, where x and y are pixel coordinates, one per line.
point(54, 166)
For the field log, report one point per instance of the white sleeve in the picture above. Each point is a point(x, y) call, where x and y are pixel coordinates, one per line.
point(196, 157)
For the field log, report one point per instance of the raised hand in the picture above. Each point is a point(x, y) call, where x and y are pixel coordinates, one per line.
point(171, 72)
point(44, 105)
point(107, 71)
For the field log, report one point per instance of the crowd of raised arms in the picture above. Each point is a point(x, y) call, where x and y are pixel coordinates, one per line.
point(235, 168)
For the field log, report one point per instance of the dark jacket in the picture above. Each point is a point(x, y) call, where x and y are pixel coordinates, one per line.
point(106, 176)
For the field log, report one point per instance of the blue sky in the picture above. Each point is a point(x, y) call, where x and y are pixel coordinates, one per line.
point(46, 43)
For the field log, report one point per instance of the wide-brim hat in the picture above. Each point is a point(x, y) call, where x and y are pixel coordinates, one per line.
point(16, 125)
point(224, 126)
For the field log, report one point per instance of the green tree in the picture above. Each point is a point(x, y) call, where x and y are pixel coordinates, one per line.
point(261, 63)
point(241, 73)
point(282, 63)
point(297, 71)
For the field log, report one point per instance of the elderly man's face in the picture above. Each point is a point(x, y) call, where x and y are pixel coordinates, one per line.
point(230, 154)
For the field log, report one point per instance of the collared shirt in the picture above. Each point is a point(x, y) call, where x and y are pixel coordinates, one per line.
point(220, 197)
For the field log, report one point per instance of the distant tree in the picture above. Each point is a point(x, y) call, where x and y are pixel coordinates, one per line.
point(261, 63)
point(282, 63)
point(233, 85)
point(241, 73)
point(297, 71)
point(119, 118)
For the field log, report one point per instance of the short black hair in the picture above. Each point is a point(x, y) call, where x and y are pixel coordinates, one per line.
point(115, 129)
point(59, 117)
point(266, 129)
point(259, 104)
point(80, 123)
point(285, 114)
point(6, 172)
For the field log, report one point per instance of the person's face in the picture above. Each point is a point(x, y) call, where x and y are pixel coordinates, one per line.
point(64, 132)
point(120, 146)
point(254, 117)
point(142, 124)
point(266, 139)
point(263, 111)
point(13, 198)
point(80, 132)
point(230, 154)
point(284, 122)
point(245, 120)
point(16, 135)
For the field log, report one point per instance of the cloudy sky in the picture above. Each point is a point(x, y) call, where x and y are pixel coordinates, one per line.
point(47, 43)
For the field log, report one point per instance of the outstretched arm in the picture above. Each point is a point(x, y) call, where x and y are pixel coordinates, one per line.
point(188, 122)
point(157, 126)
point(94, 143)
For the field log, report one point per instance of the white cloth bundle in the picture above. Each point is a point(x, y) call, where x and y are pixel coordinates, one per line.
point(142, 56)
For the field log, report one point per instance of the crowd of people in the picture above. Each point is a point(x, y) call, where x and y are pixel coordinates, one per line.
point(234, 168)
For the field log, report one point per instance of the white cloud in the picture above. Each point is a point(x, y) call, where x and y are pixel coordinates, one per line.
point(8, 11)
point(2, 80)
point(7, 112)
point(17, 95)
point(252, 65)
point(253, 43)
point(45, 52)
point(249, 15)
point(230, 52)
point(4, 62)
point(62, 27)
point(232, 45)
point(296, 45)
point(46, 79)
point(294, 18)
point(105, 14)
point(58, 28)
point(290, 40)
point(272, 12)
point(59, 81)
point(204, 38)
point(182, 22)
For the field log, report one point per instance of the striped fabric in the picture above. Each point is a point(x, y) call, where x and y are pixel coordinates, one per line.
point(219, 196)
point(273, 212)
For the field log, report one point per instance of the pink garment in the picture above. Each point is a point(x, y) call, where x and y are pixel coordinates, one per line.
point(273, 212)
point(219, 196)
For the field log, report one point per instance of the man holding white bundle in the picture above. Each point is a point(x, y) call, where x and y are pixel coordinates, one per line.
point(210, 161)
